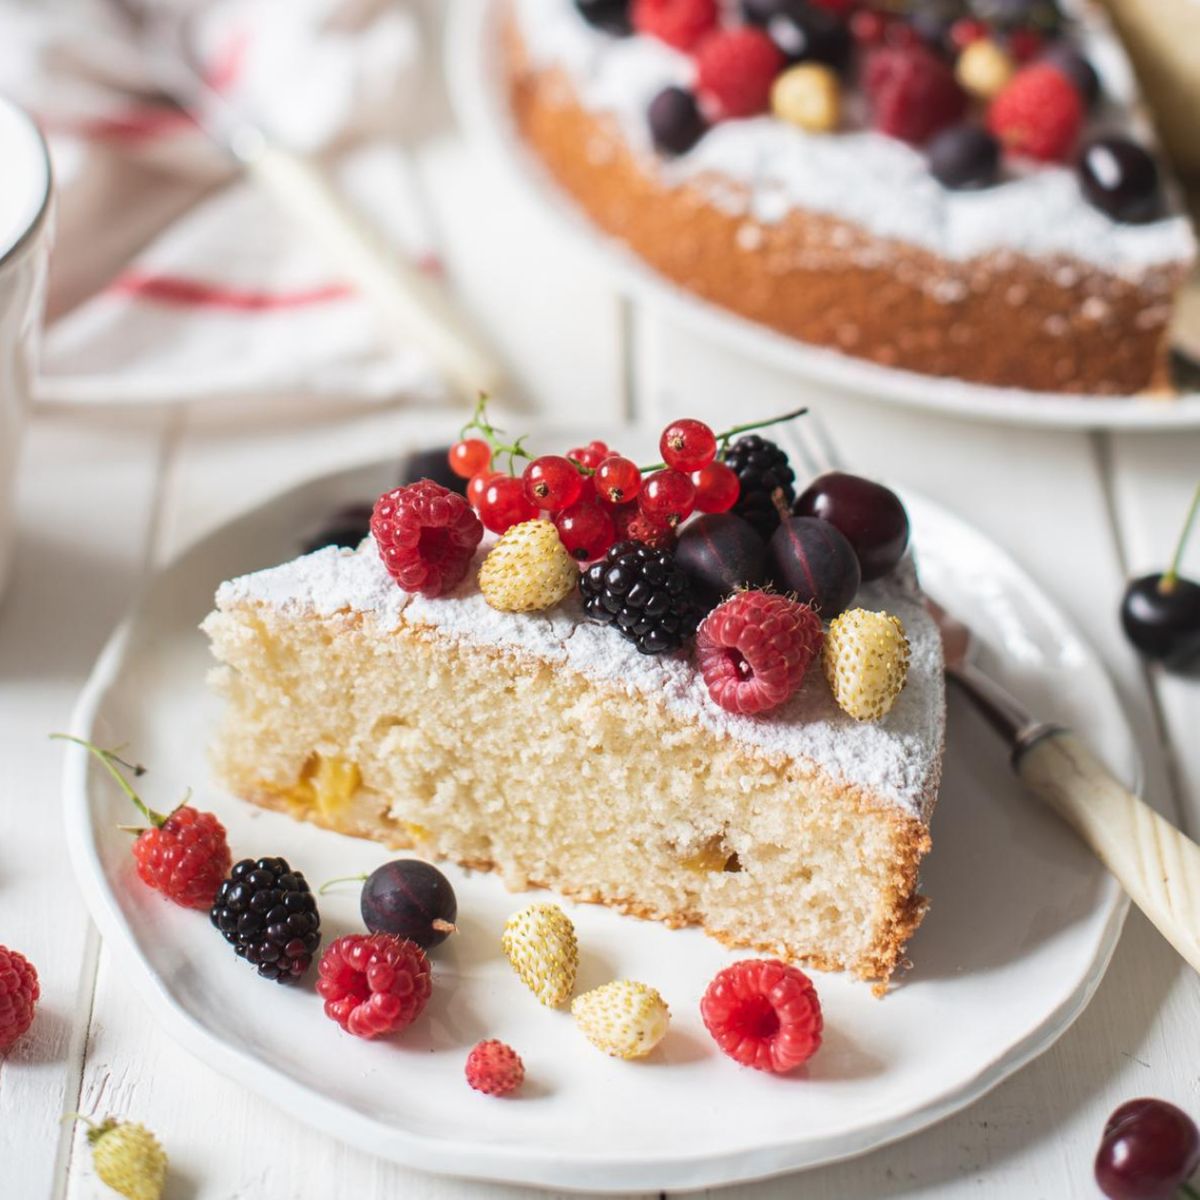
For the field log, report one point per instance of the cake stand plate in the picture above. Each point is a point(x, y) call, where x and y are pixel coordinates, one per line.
point(475, 76)
point(1021, 928)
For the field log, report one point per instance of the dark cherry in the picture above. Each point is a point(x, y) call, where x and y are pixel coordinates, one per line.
point(964, 156)
point(1161, 617)
point(611, 16)
point(431, 464)
point(676, 123)
point(720, 552)
point(1148, 1150)
point(808, 34)
point(411, 899)
point(811, 558)
point(347, 527)
point(1077, 69)
point(870, 515)
point(1121, 178)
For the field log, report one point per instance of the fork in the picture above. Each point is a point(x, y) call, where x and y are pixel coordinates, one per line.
point(1156, 864)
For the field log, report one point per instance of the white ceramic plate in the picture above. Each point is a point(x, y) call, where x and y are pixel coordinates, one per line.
point(1022, 925)
point(474, 72)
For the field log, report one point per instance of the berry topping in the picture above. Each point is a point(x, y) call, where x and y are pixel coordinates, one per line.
point(528, 569)
point(634, 526)
point(676, 122)
point(494, 1069)
point(687, 445)
point(964, 156)
point(644, 594)
point(868, 27)
point(720, 553)
point(966, 30)
point(1121, 178)
point(1077, 69)
point(128, 1158)
point(552, 482)
point(667, 497)
point(1038, 114)
point(19, 992)
point(1149, 1149)
point(808, 96)
point(410, 899)
point(808, 34)
point(717, 488)
point(763, 1014)
point(586, 530)
point(735, 69)
point(984, 68)
point(610, 16)
point(754, 650)
point(504, 504)
point(469, 456)
point(762, 470)
point(590, 456)
point(618, 480)
point(478, 487)
point(268, 915)
point(866, 662)
point(1025, 44)
point(623, 1018)
point(426, 536)
point(871, 517)
point(813, 560)
point(679, 23)
point(373, 984)
point(539, 942)
point(913, 94)
point(346, 528)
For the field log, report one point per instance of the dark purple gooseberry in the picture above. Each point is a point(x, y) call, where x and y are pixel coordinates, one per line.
point(720, 552)
point(412, 899)
point(871, 517)
point(812, 559)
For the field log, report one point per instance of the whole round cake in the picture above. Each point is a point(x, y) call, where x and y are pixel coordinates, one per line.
point(954, 187)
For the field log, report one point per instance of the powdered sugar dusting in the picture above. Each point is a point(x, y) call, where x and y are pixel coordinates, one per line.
point(895, 759)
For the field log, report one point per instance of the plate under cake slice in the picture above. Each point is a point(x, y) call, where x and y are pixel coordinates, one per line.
point(546, 748)
point(955, 187)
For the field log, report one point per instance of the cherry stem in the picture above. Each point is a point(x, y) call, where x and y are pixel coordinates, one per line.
point(1167, 582)
point(1189, 1191)
point(341, 879)
point(109, 759)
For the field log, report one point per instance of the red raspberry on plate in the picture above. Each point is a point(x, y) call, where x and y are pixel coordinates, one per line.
point(373, 984)
point(679, 23)
point(495, 1069)
point(19, 992)
point(913, 93)
point(763, 1014)
point(754, 649)
point(426, 535)
point(735, 69)
point(186, 857)
point(1038, 114)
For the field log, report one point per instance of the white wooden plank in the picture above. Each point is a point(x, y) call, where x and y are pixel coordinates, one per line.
point(86, 499)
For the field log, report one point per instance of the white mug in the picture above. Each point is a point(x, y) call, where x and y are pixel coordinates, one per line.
point(25, 236)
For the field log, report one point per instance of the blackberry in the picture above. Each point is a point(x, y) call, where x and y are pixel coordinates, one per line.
point(643, 594)
point(267, 914)
point(762, 469)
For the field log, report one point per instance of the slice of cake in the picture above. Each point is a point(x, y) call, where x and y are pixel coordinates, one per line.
point(548, 749)
point(963, 188)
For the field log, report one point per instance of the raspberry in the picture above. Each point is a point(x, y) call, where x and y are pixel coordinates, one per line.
point(19, 992)
point(754, 650)
point(1038, 114)
point(622, 1018)
point(679, 23)
point(528, 569)
point(866, 662)
point(373, 984)
point(539, 942)
point(763, 1014)
point(495, 1069)
point(913, 93)
point(735, 69)
point(634, 526)
point(426, 536)
point(762, 469)
point(128, 1158)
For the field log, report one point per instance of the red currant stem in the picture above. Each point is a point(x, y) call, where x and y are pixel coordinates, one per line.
point(341, 879)
point(1189, 1191)
point(109, 760)
point(492, 435)
point(1167, 582)
point(723, 438)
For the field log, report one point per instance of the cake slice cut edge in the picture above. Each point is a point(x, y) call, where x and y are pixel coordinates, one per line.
point(546, 749)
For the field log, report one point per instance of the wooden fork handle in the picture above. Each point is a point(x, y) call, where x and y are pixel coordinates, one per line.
point(1152, 860)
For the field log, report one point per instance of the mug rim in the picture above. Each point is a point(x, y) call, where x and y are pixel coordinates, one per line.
point(38, 220)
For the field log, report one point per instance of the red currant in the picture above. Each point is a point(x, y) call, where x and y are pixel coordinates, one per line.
point(668, 497)
point(590, 456)
point(469, 457)
point(868, 26)
point(687, 445)
point(586, 530)
point(478, 486)
point(1024, 44)
point(717, 488)
point(966, 30)
point(553, 482)
point(897, 33)
point(504, 504)
point(617, 479)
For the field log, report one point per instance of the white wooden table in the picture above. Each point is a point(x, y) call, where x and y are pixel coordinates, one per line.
point(105, 497)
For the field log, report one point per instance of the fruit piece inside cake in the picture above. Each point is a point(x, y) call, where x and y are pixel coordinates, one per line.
point(954, 187)
point(635, 734)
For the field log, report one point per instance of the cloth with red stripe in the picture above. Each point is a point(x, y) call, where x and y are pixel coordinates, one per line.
point(173, 277)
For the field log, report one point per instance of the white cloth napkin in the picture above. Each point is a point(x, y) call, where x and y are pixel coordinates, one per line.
point(175, 278)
